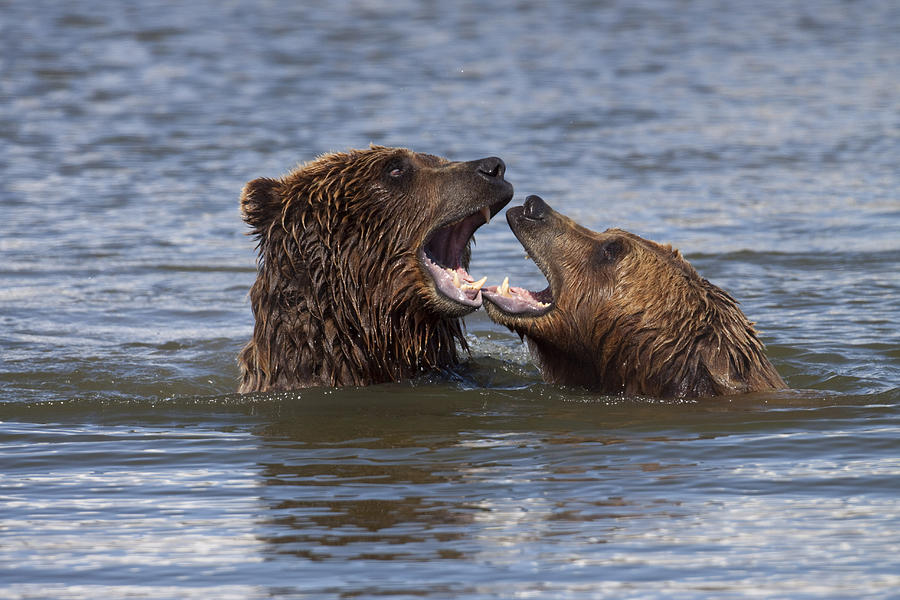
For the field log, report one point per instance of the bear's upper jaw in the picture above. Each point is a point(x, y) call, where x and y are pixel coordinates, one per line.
point(443, 257)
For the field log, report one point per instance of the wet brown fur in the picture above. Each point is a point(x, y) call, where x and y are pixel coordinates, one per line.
point(340, 297)
point(632, 316)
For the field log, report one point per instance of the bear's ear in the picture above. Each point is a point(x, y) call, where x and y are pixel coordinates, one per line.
point(260, 203)
point(608, 252)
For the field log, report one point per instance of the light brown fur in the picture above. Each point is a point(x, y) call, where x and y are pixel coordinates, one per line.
point(633, 316)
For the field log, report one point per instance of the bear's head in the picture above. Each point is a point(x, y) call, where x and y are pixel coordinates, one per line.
point(362, 265)
point(625, 314)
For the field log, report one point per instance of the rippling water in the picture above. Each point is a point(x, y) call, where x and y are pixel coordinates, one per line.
point(762, 139)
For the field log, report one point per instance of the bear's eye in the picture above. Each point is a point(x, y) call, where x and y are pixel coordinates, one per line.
point(608, 252)
point(396, 168)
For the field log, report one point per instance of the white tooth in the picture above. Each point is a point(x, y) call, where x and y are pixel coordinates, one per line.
point(486, 212)
point(456, 278)
point(504, 287)
point(477, 285)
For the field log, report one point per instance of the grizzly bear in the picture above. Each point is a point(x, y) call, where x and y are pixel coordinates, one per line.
point(622, 314)
point(361, 274)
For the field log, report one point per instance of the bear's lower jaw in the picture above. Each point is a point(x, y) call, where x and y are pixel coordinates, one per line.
point(516, 301)
point(455, 285)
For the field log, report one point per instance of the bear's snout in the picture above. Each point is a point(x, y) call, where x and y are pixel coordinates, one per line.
point(535, 208)
point(491, 169)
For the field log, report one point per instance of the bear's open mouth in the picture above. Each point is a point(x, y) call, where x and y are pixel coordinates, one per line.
point(518, 301)
point(442, 256)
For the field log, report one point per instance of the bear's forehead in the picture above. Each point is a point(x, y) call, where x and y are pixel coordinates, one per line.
point(669, 256)
point(431, 160)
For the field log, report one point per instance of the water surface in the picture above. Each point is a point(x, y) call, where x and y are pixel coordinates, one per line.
point(762, 140)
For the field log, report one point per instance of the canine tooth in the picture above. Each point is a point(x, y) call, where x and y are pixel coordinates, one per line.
point(486, 213)
point(477, 284)
point(504, 287)
point(456, 278)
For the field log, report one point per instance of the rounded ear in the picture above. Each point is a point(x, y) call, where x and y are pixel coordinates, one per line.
point(260, 203)
point(608, 251)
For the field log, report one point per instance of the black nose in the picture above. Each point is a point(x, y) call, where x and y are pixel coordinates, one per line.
point(535, 208)
point(491, 168)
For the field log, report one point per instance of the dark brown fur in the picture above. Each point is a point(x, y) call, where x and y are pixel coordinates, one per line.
point(632, 316)
point(340, 297)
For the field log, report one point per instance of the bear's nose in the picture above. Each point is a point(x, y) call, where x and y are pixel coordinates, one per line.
point(491, 168)
point(535, 208)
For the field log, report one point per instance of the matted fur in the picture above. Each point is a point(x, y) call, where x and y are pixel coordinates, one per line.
point(340, 297)
point(632, 316)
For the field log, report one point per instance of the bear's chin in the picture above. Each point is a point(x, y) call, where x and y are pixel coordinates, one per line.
point(451, 309)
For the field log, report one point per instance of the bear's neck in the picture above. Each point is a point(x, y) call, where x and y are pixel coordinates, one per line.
point(343, 331)
point(564, 367)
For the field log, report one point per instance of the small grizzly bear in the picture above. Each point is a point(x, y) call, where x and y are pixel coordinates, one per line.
point(622, 314)
point(361, 274)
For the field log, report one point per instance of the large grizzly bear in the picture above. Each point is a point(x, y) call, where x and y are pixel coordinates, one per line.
point(362, 266)
point(626, 315)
